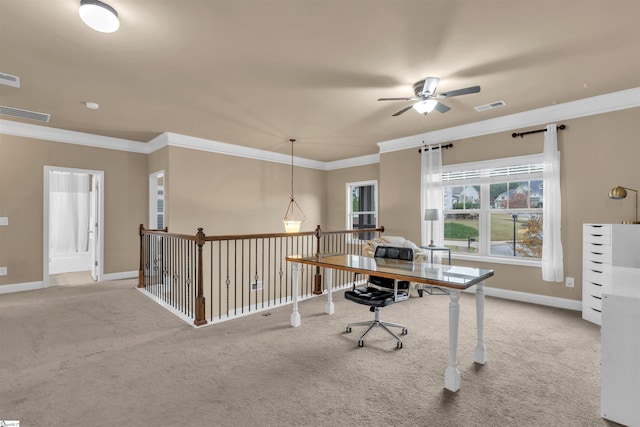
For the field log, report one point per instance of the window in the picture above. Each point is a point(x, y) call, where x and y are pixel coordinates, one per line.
point(362, 207)
point(494, 208)
point(157, 206)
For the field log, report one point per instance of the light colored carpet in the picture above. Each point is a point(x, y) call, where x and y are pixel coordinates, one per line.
point(104, 354)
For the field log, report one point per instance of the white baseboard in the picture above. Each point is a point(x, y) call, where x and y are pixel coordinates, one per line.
point(569, 304)
point(32, 286)
point(20, 287)
point(121, 275)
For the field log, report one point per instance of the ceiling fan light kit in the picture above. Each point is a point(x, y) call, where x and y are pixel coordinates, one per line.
point(426, 106)
point(427, 98)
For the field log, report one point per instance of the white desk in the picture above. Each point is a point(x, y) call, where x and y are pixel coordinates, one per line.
point(453, 277)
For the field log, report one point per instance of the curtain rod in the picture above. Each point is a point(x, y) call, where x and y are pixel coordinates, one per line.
point(449, 145)
point(521, 134)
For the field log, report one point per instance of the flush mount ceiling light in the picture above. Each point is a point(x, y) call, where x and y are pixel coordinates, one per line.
point(99, 16)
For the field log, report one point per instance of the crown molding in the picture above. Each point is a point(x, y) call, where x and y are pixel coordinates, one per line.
point(352, 162)
point(28, 130)
point(621, 100)
point(185, 141)
point(615, 101)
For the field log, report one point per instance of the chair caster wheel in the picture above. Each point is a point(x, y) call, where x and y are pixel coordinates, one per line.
point(348, 329)
point(405, 331)
point(360, 343)
point(399, 345)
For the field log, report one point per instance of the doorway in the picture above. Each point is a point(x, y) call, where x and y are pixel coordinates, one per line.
point(73, 226)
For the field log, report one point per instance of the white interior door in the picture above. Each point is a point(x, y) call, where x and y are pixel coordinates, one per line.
point(94, 227)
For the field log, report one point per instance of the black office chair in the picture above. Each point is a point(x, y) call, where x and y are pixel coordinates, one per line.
point(384, 292)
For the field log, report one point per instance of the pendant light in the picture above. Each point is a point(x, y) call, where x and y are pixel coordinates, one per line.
point(99, 16)
point(291, 222)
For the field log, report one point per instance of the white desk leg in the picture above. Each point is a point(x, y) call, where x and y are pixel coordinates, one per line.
point(452, 375)
point(328, 274)
point(480, 352)
point(295, 316)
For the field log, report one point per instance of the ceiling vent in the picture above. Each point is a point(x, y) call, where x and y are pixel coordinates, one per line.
point(25, 114)
point(490, 106)
point(9, 80)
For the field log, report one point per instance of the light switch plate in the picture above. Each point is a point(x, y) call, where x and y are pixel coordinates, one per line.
point(4, 220)
point(3, 271)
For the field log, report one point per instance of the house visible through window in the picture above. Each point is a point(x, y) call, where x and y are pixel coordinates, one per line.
point(494, 208)
point(362, 207)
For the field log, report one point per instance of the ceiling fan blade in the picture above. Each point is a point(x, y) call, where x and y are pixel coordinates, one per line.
point(397, 99)
point(407, 108)
point(465, 91)
point(442, 108)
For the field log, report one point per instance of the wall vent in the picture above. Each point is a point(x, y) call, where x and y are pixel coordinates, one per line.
point(25, 114)
point(490, 106)
point(9, 80)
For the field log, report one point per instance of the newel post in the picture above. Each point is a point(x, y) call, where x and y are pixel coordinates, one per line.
point(200, 307)
point(141, 266)
point(317, 284)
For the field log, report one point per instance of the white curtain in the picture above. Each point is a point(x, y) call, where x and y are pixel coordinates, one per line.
point(431, 194)
point(68, 212)
point(552, 258)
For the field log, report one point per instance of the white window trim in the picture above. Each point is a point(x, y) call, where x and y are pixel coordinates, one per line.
point(484, 213)
point(348, 204)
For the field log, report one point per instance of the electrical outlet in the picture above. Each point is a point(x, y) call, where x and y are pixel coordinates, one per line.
point(4, 220)
point(569, 282)
point(3, 271)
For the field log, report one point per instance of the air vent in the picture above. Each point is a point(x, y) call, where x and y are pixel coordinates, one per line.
point(25, 114)
point(490, 106)
point(9, 80)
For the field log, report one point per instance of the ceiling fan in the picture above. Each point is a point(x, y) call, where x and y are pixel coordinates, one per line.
point(427, 98)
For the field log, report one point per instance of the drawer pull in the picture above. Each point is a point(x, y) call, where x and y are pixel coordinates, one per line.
point(597, 253)
point(595, 309)
point(596, 297)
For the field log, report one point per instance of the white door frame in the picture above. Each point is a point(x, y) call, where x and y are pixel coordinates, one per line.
point(45, 221)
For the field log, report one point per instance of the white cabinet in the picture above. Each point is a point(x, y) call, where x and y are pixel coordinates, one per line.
point(611, 298)
point(620, 369)
point(605, 246)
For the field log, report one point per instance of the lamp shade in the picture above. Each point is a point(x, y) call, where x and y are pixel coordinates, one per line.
point(618, 193)
point(431, 214)
point(292, 226)
point(99, 16)
point(426, 106)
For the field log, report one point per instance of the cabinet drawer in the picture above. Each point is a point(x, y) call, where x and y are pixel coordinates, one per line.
point(597, 277)
point(597, 266)
point(592, 315)
point(592, 302)
point(596, 229)
point(597, 252)
point(601, 239)
point(590, 289)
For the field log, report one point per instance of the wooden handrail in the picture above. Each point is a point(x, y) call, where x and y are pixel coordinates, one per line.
point(200, 239)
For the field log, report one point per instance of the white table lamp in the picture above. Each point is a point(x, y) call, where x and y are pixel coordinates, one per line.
point(431, 215)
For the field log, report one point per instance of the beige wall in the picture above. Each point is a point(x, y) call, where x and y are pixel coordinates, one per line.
point(22, 162)
point(236, 195)
point(335, 207)
point(598, 153)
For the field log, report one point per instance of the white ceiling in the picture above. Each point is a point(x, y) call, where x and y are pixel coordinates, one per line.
point(258, 72)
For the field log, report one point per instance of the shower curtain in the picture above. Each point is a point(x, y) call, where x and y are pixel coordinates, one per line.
point(68, 213)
